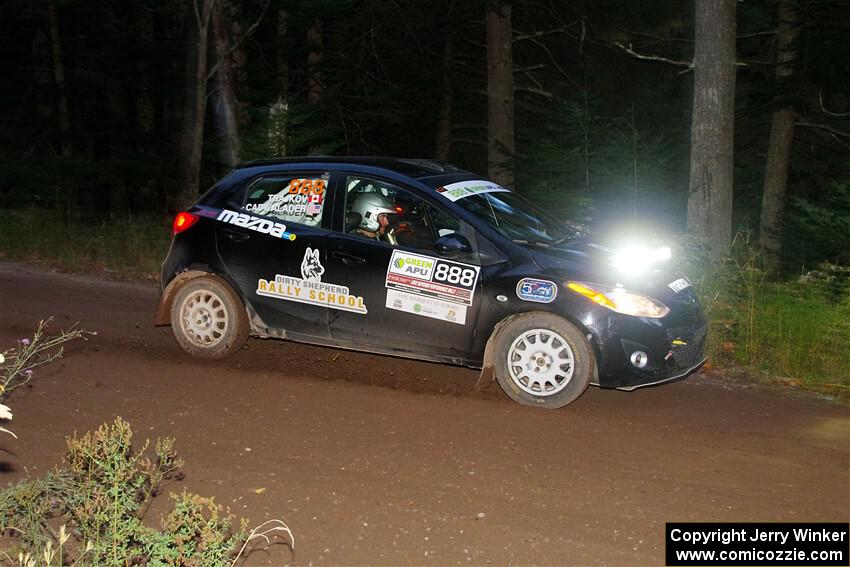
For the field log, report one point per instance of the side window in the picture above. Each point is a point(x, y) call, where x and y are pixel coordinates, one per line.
point(385, 212)
point(290, 198)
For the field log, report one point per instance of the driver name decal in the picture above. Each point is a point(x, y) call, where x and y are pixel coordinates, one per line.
point(300, 201)
point(310, 288)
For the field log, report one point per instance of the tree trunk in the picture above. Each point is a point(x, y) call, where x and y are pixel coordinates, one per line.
point(712, 129)
point(278, 130)
point(314, 61)
point(500, 96)
point(226, 106)
point(196, 105)
point(59, 80)
point(117, 188)
point(314, 76)
point(144, 104)
point(781, 137)
point(443, 137)
point(43, 97)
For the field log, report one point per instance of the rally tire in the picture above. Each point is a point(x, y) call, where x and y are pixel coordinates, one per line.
point(208, 319)
point(543, 360)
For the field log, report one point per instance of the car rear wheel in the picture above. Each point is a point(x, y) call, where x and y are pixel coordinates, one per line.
point(543, 360)
point(208, 319)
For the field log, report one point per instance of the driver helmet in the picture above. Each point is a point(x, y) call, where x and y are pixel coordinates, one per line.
point(369, 206)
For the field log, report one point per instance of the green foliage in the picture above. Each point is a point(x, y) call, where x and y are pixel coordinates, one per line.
point(104, 491)
point(196, 532)
point(112, 484)
point(131, 245)
point(27, 506)
point(822, 226)
point(797, 330)
point(583, 165)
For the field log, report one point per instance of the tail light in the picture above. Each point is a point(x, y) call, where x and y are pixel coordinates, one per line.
point(182, 222)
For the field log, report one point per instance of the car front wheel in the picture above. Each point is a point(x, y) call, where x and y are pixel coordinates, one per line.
point(543, 360)
point(208, 319)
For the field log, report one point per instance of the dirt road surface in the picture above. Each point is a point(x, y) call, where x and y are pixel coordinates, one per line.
point(381, 461)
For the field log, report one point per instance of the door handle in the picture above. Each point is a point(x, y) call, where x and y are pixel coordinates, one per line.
point(236, 236)
point(349, 259)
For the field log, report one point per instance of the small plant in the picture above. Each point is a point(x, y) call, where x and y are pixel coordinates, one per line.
point(50, 553)
point(796, 331)
point(18, 364)
point(103, 493)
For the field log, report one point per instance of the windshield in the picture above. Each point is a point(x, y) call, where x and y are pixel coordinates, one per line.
point(515, 217)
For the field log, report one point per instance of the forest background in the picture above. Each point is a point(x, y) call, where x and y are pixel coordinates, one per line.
point(114, 114)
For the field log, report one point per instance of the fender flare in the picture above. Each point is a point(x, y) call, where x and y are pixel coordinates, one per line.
point(163, 311)
point(488, 369)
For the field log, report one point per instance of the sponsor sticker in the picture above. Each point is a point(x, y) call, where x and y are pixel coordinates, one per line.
point(310, 288)
point(263, 226)
point(538, 291)
point(679, 285)
point(461, 189)
point(426, 306)
point(432, 277)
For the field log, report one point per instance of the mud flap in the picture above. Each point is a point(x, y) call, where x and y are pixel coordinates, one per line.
point(488, 368)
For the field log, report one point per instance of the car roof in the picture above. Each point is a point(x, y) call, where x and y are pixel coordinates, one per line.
point(429, 171)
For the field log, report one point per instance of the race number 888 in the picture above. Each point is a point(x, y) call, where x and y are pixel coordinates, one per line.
point(455, 274)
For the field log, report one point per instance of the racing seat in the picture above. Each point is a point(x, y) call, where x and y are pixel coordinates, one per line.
point(352, 221)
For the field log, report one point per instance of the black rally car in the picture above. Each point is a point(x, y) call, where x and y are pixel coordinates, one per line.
point(420, 259)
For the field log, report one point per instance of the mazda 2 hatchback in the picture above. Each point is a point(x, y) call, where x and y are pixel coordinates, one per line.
point(420, 259)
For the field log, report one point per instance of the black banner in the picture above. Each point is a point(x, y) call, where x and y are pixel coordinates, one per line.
point(758, 544)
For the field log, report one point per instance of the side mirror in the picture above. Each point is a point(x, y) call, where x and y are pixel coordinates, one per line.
point(452, 245)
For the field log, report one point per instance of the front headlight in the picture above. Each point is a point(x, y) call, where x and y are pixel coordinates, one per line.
point(636, 259)
point(620, 300)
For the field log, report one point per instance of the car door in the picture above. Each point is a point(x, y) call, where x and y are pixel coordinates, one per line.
point(272, 240)
point(415, 300)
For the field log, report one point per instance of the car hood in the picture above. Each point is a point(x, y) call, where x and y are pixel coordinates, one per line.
point(583, 259)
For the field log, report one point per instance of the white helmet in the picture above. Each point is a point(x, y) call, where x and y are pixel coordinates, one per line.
point(369, 206)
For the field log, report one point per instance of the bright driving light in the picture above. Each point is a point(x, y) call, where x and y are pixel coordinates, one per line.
point(636, 259)
point(620, 300)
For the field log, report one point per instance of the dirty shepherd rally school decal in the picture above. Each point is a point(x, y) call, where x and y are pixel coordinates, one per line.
point(310, 288)
point(431, 287)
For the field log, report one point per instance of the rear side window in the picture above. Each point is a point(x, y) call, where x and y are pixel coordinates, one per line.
point(295, 198)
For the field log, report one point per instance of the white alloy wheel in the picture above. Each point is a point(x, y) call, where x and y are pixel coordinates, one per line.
point(541, 362)
point(208, 319)
point(203, 318)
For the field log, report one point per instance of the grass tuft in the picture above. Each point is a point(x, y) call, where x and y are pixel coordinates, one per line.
point(130, 247)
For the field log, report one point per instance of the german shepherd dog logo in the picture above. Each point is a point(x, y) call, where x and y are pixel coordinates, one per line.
point(311, 267)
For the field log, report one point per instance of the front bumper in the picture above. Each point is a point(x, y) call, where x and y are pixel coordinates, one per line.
point(641, 352)
point(675, 377)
